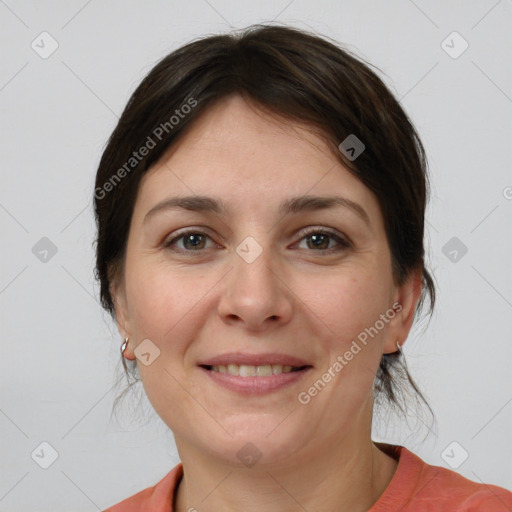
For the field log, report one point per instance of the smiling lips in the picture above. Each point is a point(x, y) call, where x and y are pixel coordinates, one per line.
point(248, 365)
point(254, 373)
point(245, 370)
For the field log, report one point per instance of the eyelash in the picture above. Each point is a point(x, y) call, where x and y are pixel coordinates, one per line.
point(342, 242)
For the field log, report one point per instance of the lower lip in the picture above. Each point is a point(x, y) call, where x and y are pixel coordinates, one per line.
point(255, 385)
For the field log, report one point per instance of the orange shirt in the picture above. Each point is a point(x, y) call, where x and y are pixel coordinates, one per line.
point(415, 487)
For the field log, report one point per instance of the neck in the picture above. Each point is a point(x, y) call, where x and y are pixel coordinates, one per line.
point(348, 476)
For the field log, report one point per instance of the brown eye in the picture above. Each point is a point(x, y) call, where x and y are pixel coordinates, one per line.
point(191, 241)
point(320, 240)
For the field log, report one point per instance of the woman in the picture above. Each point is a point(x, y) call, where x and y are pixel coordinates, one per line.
point(260, 209)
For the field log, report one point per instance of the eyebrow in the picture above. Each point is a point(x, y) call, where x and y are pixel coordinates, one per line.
point(292, 206)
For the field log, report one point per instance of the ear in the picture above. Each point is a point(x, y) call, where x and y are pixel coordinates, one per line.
point(117, 292)
point(404, 304)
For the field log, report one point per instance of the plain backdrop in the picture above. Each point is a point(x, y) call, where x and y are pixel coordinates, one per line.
point(67, 71)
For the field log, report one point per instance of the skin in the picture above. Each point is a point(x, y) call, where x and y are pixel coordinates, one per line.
point(294, 298)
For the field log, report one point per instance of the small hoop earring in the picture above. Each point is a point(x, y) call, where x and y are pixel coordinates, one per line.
point(399, 347)
point(123, 346)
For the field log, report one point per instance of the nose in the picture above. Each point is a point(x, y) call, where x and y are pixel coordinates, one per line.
point(256, 295)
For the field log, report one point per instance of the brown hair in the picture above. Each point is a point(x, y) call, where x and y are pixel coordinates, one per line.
point(296, 75)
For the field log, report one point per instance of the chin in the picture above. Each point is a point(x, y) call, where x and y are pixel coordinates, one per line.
point(258, 440)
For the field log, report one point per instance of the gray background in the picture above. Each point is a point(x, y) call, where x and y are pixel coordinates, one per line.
point(60, 358)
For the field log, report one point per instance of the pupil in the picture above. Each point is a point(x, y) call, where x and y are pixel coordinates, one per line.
point(192, 237)
point(318, 240)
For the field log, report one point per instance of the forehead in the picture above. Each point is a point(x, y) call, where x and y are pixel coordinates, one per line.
point(240, 153)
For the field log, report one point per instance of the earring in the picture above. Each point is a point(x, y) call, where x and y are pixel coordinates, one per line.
point(123, 346)
point(398, 346)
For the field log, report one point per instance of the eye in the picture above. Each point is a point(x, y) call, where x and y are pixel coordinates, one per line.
point(192, 241)
point(320, 238)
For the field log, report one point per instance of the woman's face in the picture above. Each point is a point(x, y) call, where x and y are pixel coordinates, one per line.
point(256, 279)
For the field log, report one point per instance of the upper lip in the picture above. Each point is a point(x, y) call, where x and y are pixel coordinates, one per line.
point(254, 360)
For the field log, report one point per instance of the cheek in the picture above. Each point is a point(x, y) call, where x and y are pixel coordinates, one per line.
point(353, 343)
point(162, 310)
point(160, 300)
point(168, 308)
point(347, 304)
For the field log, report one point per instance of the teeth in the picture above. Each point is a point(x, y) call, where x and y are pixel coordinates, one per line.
point(264, 371)
point(245, 370)
point(277, 368)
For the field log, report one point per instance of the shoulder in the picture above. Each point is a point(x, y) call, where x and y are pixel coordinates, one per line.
point(489, 498)
point(158, 498)
point(455, 492)
point(421, 487)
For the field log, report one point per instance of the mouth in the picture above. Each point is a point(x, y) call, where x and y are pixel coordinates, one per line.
point(254, 374)
point(244, 370)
